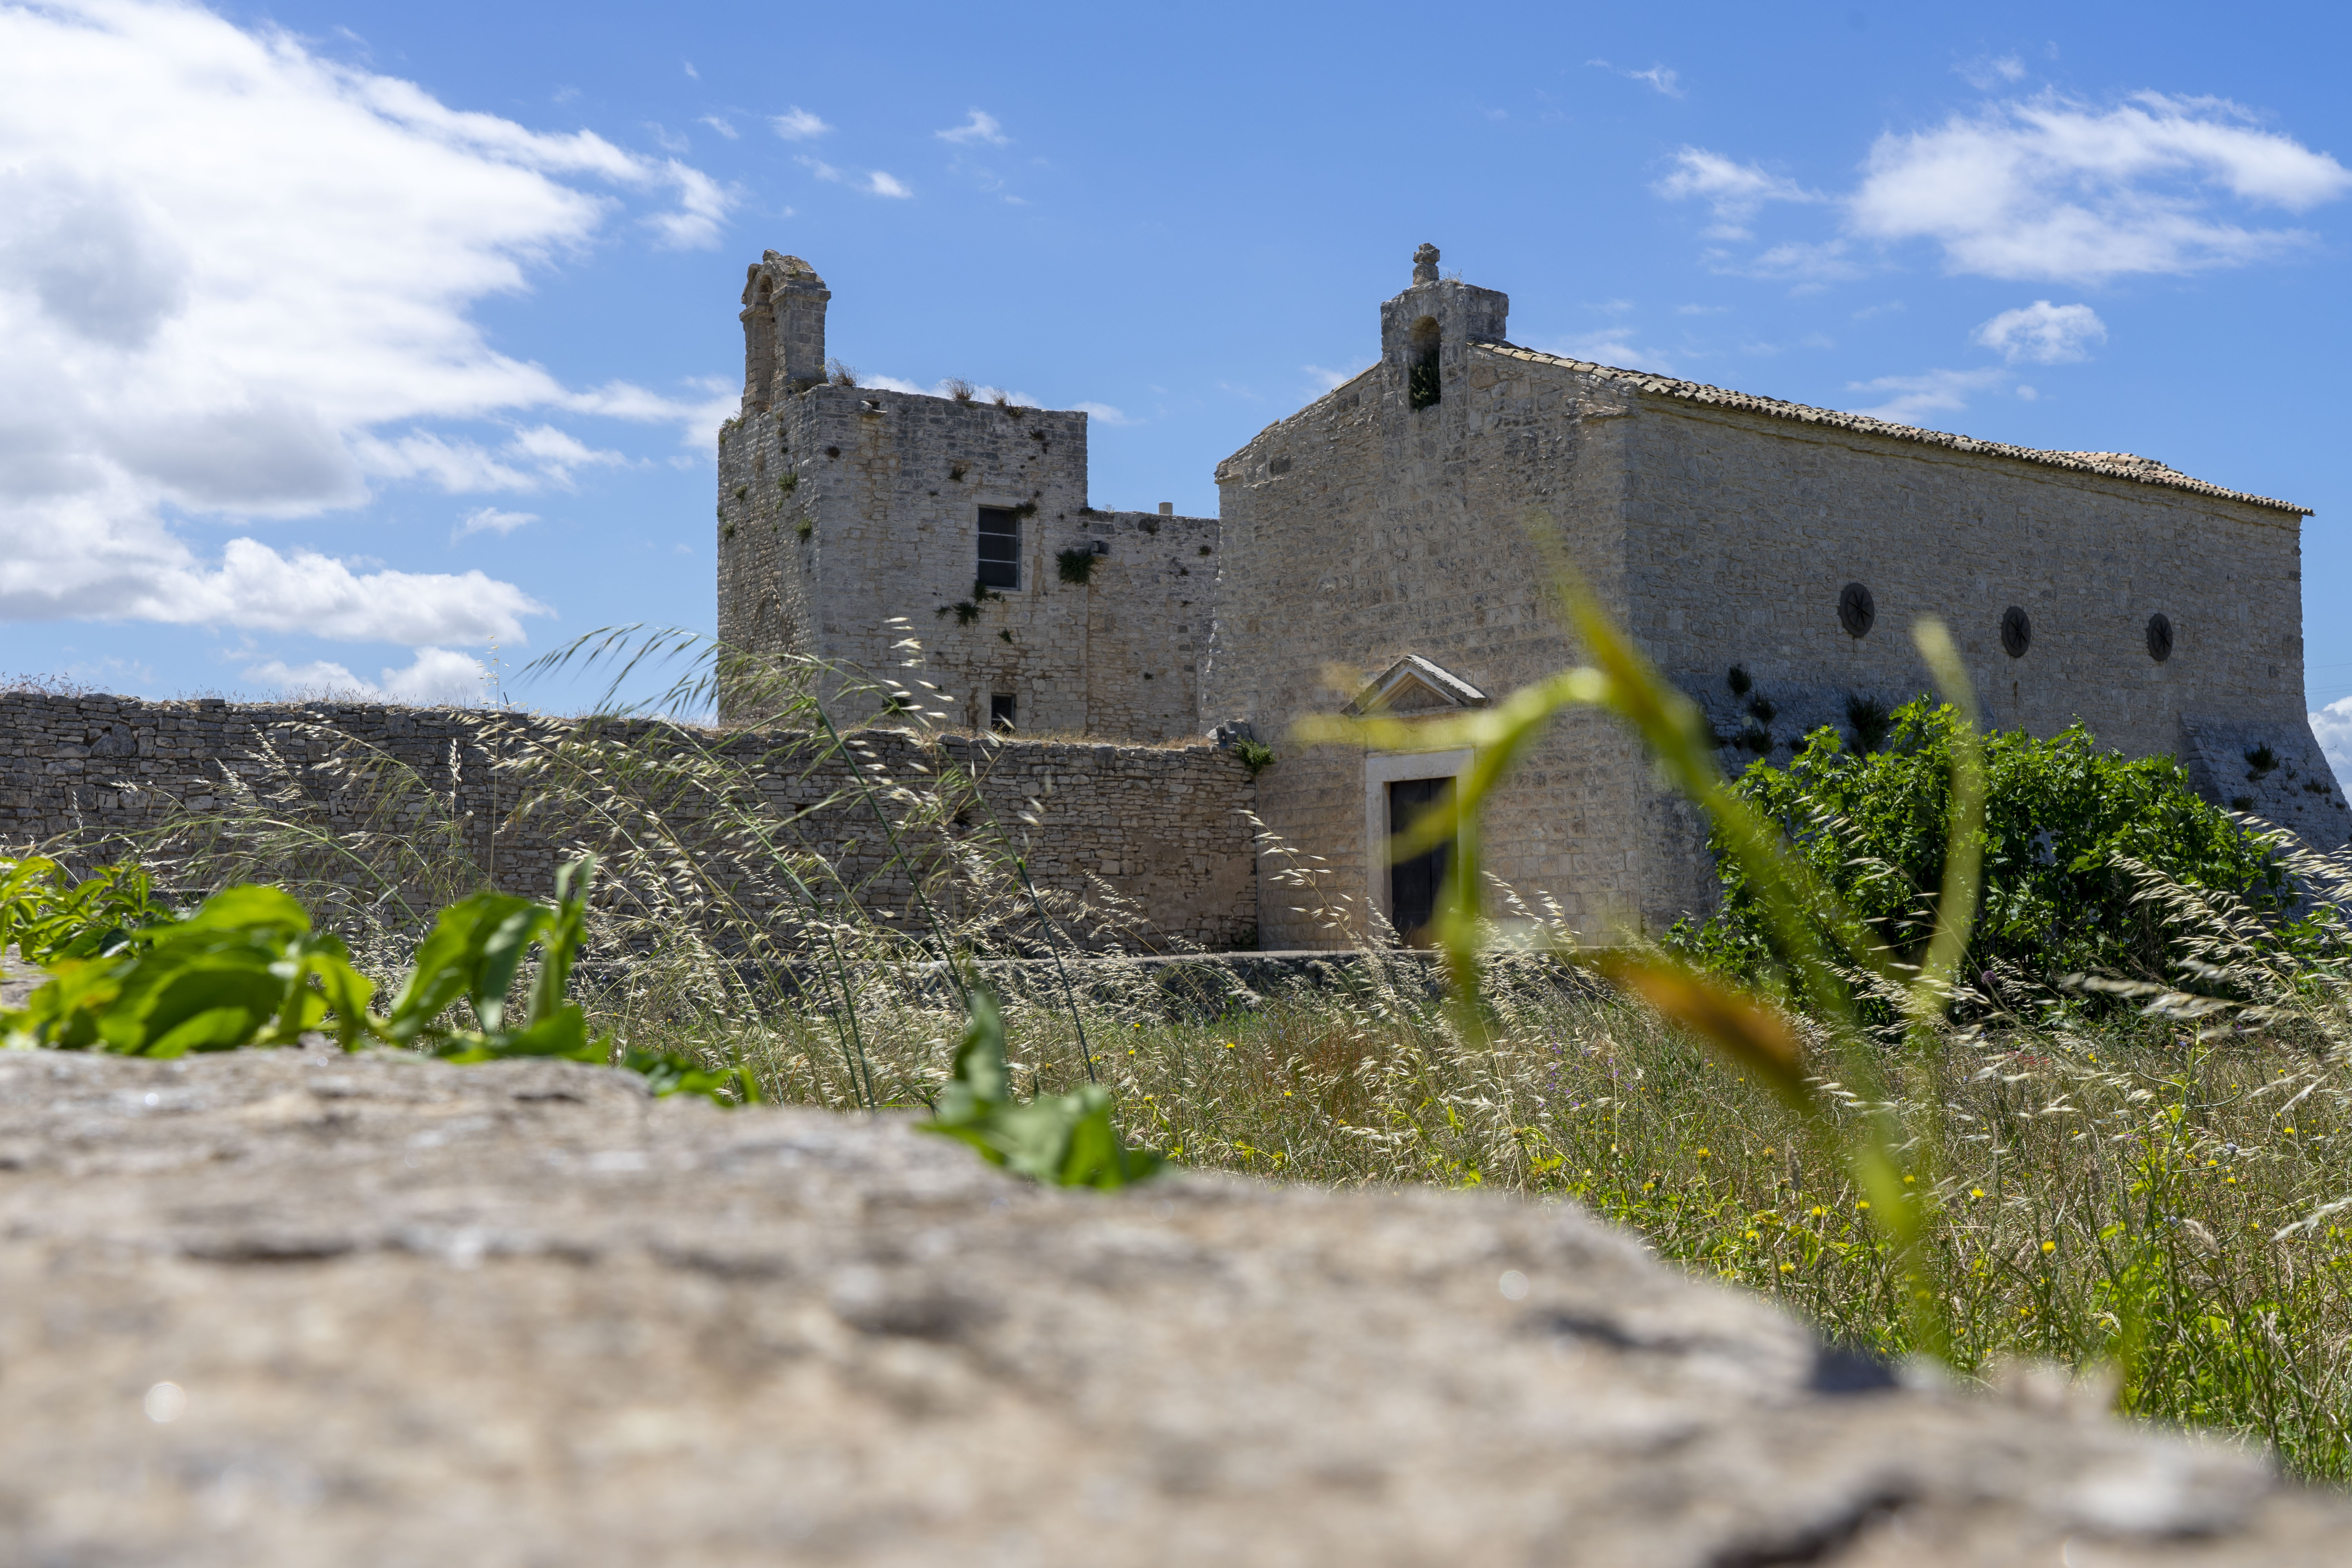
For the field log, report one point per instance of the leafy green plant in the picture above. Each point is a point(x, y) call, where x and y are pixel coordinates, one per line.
point(245, 969)
point(1064, 1141)
point(1078, 565)
point(47, 920)
point(1254, 755)
point(2061, 818)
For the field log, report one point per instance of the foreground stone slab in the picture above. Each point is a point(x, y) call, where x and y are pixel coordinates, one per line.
point(520, 1315)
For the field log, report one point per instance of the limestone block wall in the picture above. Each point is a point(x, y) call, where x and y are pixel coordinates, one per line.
point(1752, 526)
point(1364, 529)
point(1162, 828)
point(1361, 529)
point(849, 524)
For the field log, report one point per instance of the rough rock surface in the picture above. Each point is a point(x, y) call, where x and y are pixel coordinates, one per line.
point(520, 1315)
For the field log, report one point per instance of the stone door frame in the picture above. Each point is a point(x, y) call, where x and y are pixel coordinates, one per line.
point(1382, 769)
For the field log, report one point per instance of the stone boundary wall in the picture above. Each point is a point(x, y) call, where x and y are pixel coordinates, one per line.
point(1161, 829)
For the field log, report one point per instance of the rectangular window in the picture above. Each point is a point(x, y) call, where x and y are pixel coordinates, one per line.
point(1003, 712)
point(1000, 547)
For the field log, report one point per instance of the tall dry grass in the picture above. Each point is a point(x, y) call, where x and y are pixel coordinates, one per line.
point(2151, 1186)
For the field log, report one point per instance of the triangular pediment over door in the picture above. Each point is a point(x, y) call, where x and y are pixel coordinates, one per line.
point(1414, 685)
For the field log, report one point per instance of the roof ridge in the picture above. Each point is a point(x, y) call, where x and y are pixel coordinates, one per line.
point(2113, 465)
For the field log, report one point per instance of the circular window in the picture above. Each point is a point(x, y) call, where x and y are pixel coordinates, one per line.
point(1856, 610)
point(2159, 637)
point(2016, 632)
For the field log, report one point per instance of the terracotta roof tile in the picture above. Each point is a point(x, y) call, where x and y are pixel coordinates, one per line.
point(2115, 465)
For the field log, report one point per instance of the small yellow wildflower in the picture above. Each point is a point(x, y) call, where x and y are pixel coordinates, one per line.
point(2290, 1131)
point(1976, 1191)
point(1864, 1205)
point(1702, 1153)
point(1788, 1268)
point(1747, 1236)
point(2048, 1247)
point(1819, 1212)
point(1649, 1186)
point(1768, 1151)
point(1909, 1180)
point(2232, 1180)
point(1233, 1045)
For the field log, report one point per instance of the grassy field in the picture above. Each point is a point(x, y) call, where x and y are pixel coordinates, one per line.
point(2105, 1197)
point(2137, 1189)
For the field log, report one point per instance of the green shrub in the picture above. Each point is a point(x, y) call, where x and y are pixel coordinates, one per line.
point(2060, 815)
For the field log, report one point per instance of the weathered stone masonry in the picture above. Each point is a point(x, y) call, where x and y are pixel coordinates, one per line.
point(848, 524)
point(1164, 827)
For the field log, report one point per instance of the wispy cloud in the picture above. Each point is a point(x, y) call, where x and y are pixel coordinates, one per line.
point(1612, 346)
point(797, 124)
point(2053, 188)
point(2046, 187)
point(1798, 262)
point(873, 182)
point(1103, 413)
point(722, 127)
point(1329, 379)
point(1735, 192)
point(490, 519)
point(703, 205)
point(1985, 72)
point(1658, 79)
point(1937, 392)
point(437, 674)
point(983, 127)
point(2332, 727)
point(2043, 334)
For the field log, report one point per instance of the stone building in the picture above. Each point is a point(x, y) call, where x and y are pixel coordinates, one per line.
point(1770, 557)
point(852, 519)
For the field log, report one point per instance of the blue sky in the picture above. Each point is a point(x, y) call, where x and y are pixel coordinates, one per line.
point(341, 340)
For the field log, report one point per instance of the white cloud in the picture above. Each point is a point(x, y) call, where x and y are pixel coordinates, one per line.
point(1798, 262)
point(981, 127)
point(1612, 346)
point(702, 207)
point(874, 182)
point(799, 125)
point(436, 675)
point(722, 127)
point(490, 519)
point(1104, 414)
point(138, 572)
point(1988, 71)
point(1328, 379)
point(2333, 726)
point(235, 279)
point(1657, 78)
point(1937, 392)
point(2043, 334)
point(2053, 188)
point(1736, 191)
